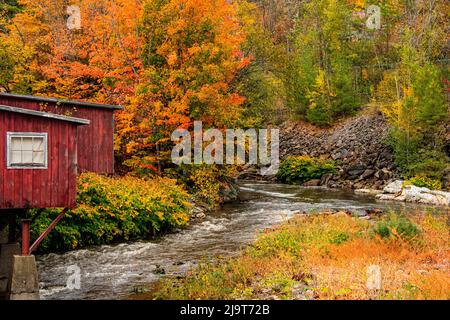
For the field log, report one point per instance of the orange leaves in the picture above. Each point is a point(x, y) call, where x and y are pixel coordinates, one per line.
point(170, 61)
point(192, 55)
point(106, 47)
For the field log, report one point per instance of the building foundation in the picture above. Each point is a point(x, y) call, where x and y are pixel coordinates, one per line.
point(24, 280)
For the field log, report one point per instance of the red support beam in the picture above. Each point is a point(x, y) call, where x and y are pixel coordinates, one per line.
point(26, 237)
point(47, 231)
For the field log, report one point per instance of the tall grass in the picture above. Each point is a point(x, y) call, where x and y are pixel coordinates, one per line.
point(326, 257)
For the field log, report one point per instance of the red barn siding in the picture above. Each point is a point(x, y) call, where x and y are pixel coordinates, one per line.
point(95, 141)
point(40, 188)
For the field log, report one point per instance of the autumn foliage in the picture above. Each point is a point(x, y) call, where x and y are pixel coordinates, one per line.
point(115, 209)
point(98, 62)
point(190, 57)
point(236, 63)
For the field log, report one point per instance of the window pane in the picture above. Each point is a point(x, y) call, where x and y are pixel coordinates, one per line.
point(16, 157)
point(27, 157)
point(28, 150)
point(16, 143)
point(27, 144)
point(38, 144)
point(38, 158)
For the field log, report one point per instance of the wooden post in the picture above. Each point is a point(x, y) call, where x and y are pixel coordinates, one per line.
point(26, 237)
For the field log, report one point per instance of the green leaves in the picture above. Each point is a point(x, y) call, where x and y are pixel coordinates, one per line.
point(418, 119)
point(319, 75)
point(115, 209)
point(300, 169)
point(396, 226)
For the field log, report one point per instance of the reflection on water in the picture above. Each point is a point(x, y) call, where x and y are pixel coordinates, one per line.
point(113, 272)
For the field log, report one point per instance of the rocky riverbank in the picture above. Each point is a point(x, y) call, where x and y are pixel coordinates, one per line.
point(399, 191)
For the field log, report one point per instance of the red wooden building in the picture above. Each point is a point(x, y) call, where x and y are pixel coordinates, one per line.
point(44, 144)
point(95, 141)
point(38, 159)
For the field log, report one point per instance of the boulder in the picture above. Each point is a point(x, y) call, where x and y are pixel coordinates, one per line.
point(325, 179)
point(385, 196)
point(356, 170)
point(425, 196)
point(368, 191)
point(197, 213)
point(312, 183)
point(443, 194)
point(414, 194)
point(394, 187)
point(357, 144)
point(384, 174)
point(367, 174)
point(446, 179)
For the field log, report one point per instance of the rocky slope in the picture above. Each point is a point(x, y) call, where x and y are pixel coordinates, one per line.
point(356, 145)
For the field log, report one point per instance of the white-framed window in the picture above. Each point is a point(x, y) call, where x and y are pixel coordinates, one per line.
point(26, 150)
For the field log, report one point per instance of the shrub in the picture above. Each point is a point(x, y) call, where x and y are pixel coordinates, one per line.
point(300, 169)
point(205, 182)
point(396, 226)
point(429, 164)
point(422, 181)
point(115, 209)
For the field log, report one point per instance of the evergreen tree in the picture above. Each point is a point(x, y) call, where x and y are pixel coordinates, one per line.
point(319, 77)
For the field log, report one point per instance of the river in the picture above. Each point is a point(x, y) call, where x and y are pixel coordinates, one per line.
point(116, 271)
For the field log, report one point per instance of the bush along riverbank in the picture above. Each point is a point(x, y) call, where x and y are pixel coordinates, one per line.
point(113, 210)
point(330, 256)
point(305, 170)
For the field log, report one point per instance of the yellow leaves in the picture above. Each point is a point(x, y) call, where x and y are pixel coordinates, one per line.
point(320, 80)
point(392, 111)
point(359, 4)
point(172, 59)
point(158, 199)
point(408, 91)
point(365, 74)
point(194, 50)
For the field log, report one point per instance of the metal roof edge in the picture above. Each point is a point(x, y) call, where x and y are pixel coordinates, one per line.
point(45, 115)
point(63, 101)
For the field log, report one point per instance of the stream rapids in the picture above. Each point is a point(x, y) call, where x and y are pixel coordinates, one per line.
point(118, 271)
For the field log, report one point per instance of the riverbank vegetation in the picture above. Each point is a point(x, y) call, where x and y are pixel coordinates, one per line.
point(324, 256)
point(114, 209)
point(300, 169)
